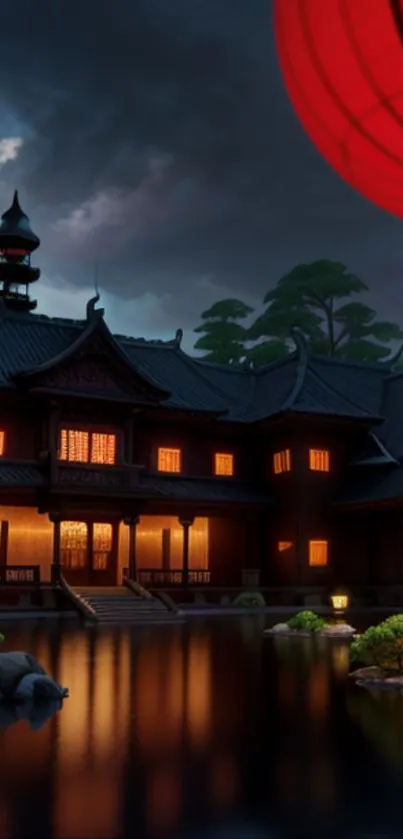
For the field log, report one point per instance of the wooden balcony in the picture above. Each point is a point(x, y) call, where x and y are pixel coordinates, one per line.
point(158, 578)
point(111, 480)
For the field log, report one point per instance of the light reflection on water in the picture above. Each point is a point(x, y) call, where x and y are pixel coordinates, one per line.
point(170, 731)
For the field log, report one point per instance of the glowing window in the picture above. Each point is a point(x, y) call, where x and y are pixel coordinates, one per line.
point(2, 439)
point(87, 447)
point(169, 460)
point(223, 464)
point(103, 448)
point(101, 546)
point(319, 460)
point(73, 544)
point(282, 461)
point(284, 546)
point(318, 552)
point(74, 445)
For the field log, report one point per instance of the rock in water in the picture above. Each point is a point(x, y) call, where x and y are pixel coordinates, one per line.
point(13, 667)
point(341, 630)
point(37, 687)
point(278, 629)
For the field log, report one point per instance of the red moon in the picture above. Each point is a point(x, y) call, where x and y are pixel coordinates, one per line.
point(342, 64)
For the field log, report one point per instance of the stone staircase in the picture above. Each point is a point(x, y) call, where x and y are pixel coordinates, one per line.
point(119, 606)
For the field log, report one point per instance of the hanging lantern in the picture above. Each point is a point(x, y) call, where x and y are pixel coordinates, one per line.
point(342, 64)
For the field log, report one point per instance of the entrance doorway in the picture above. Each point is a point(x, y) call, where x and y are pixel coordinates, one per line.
point(88, 552)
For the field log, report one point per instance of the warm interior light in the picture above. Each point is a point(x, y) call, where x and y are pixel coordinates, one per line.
point(169, 460)
point(103, 448)
point(86, 446)
point(318, 552)
point(73, 544)
point(284, 546)
point(101, 545)
point(319, 460)
point(74, 445)
point(339, 602)
point(223, 464)
point(282, 461)
point(2, 440)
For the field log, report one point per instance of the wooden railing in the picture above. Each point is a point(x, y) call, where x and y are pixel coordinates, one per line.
point(80, 602)
point(20, 575)
point(102, 479)
point(157, 577)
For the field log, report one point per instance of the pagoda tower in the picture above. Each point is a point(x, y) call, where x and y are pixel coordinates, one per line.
point(17, 242)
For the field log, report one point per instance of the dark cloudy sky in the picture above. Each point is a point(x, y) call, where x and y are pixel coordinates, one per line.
point(156, 137)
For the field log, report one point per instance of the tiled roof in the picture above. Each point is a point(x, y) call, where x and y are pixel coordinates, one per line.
point(369, 485)
point(297, 383)
point(189, 489)
point(13, 473)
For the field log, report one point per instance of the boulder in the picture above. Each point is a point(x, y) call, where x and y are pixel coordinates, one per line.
point(13, 667)
point(279, 629)
point(37, 687)
point(367, 674)
point(338, 630)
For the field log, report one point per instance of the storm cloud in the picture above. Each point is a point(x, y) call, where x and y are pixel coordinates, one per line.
point(156, 138)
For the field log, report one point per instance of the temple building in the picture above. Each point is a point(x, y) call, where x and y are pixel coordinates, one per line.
point(126, 457)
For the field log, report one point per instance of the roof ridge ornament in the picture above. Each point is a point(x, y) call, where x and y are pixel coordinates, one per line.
point(301, 346)
point(178, 338)
point(93, 314)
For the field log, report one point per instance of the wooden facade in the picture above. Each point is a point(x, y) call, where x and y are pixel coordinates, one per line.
point(121, 456)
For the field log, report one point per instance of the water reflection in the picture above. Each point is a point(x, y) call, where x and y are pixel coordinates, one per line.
point(180, 731)
point(145, 703)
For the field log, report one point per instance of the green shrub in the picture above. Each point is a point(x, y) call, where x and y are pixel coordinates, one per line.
point(381, 646)
point(307, 621)
point(250, 600)
point(1, 638)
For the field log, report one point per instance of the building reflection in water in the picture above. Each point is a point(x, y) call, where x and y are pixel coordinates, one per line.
point(307, 782)
point(144, 706)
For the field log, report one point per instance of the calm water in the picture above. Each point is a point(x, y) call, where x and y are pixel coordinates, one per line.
point(203, 730)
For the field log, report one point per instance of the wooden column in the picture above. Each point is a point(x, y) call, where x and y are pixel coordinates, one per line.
point(132, 522)
point(186, 523)
point(3, 543)
point(55, 518)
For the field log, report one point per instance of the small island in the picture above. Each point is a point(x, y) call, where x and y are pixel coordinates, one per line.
point(380, 650)
point(306, 624)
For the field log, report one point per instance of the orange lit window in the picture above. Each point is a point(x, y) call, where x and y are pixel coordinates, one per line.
point(284, 546)
point(2, 437)
point(74, 445)
point(318, 552)
point(282, 461)
point(87, 447)
point(319, 460)
point(169, 460)
point(223, 464)
point(103, 448)
point(73, 544)
point(101, 546)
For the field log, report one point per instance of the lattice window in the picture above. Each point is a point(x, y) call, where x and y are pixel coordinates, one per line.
point(103, 448)
point(101, 545)
point(73, 544)
point(284, 546)
point(318, 552)
point(74, 445)
point(223, 464)
point(282, 461)
point(169, 460)
point(87, 447)
point(319, 460)
point(2, 441)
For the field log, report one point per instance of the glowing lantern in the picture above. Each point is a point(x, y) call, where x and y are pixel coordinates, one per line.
point(339, 602)
point(342, 63)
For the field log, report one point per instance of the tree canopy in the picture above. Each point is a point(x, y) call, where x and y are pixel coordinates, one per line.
point(314, 297)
